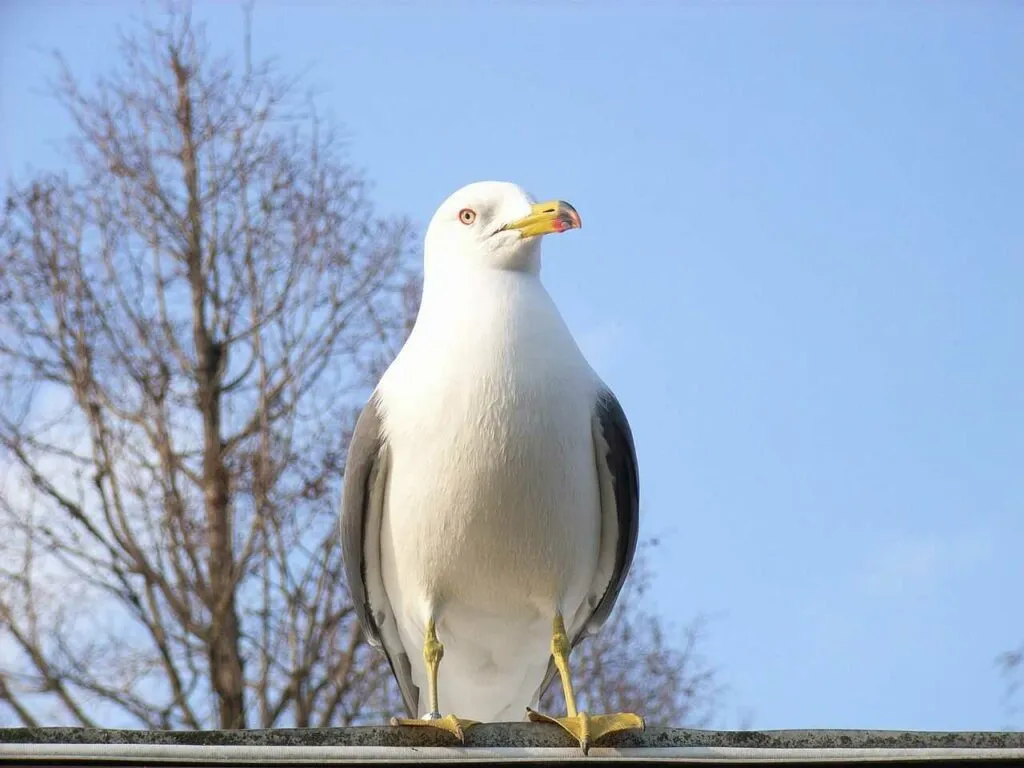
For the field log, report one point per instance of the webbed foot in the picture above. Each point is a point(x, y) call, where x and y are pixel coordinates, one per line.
point(590, 729)
point(456, 726)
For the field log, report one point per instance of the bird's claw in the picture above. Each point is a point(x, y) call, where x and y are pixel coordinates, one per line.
point(456, 726)
point(590, 729)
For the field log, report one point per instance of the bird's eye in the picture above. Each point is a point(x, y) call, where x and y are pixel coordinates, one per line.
point(467, 216)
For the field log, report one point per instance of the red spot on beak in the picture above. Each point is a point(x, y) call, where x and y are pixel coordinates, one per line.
point(568, 218)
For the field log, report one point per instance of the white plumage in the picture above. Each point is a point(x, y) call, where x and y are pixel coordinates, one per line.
point(492, 518)
point(489, 506)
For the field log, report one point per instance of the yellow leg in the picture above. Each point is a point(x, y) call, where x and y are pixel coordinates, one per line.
point(587, 729)
point(433, 652)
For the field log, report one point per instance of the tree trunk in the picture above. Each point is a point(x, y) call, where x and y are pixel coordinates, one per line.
point(223, 645)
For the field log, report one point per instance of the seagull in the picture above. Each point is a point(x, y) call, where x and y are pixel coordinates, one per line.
point(491, 497)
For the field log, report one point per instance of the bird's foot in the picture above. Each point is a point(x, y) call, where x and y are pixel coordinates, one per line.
point(456, 726)
point(589, 729)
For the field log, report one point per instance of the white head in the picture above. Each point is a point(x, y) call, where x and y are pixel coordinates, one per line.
point(493, 225)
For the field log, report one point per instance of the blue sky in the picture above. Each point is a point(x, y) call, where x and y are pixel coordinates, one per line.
point(801, 270)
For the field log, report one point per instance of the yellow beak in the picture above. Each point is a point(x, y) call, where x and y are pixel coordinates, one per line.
point(547, 218)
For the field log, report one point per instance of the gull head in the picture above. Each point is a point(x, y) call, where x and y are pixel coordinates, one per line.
point(493, 225)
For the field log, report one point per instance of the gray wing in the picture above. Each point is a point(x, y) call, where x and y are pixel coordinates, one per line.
point(619, 483)
point(366, 472)
point(619, 480)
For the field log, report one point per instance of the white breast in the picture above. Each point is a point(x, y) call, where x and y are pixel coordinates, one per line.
point(492, 517)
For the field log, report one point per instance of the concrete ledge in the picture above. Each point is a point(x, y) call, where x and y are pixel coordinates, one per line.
point(492, 743)
point(523, 735)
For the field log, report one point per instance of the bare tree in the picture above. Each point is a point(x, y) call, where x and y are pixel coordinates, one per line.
point(189, 319)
